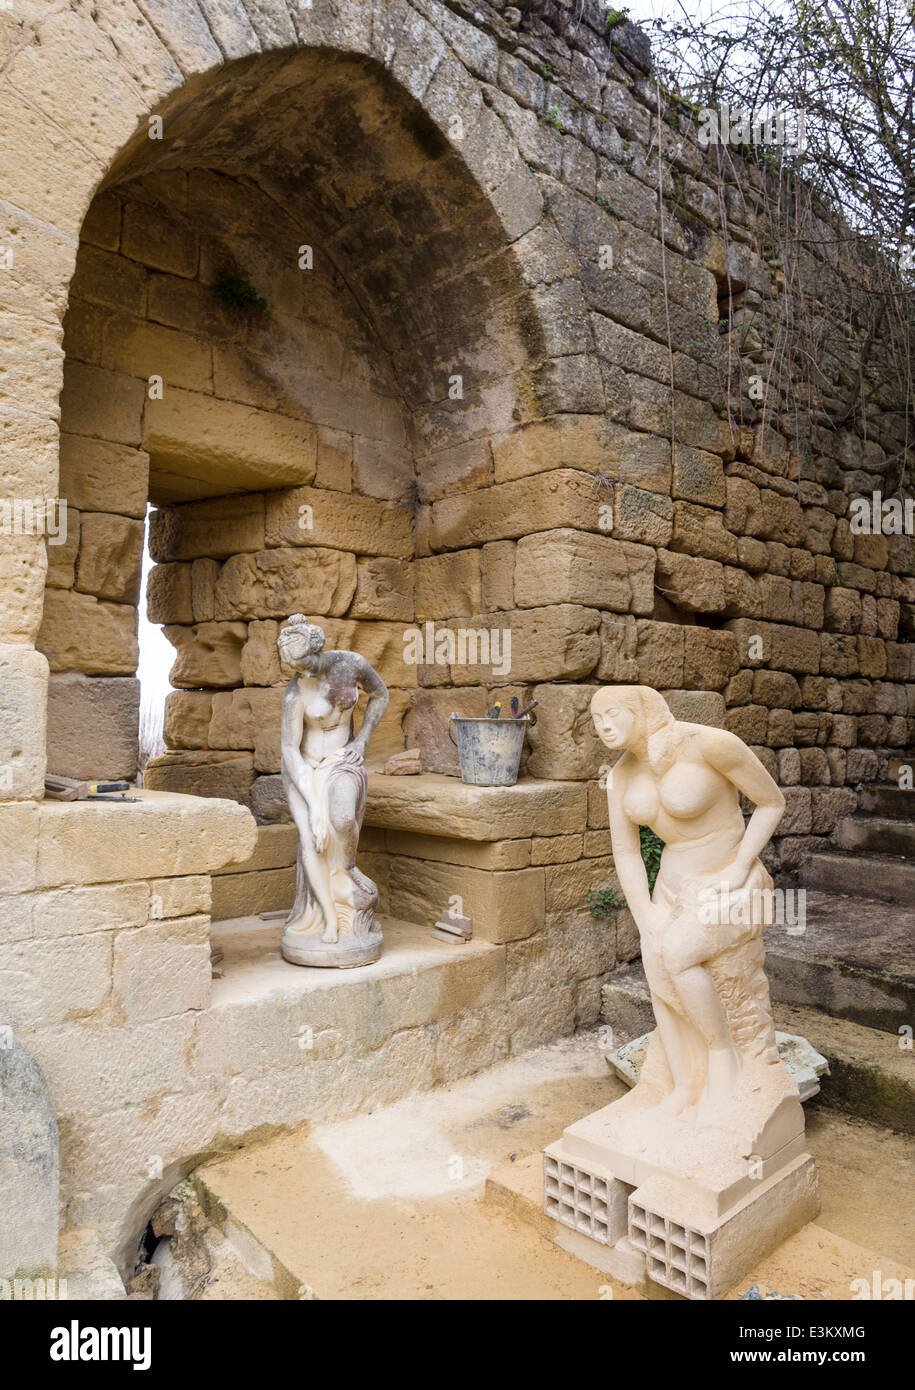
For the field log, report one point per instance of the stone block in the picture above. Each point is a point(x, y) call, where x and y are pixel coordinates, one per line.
point(384, 589)
point(275, 583)
point(96, 475)
point(497, 576)
point(208, 654)
point(690, 583)
point(338, 520)
point(240, 715)
point(179, 897)
point(563, 743)
point(197, 773)
point(426, 724)
point(561, 642)
point(461, 468)
point(577, 567)
point(561, 498)
point(204, 574)
point(28, 1167)
point(105, 405)
point(697, 706)
point(23, 567)
point(618, 648)
point(660, 653)
point(701, 531)
point(93, 726)
point(698, 477)
point(216, 527)
point(438, 805)
point(709, 658)
point(110, 557)
point(81, 633)
point(24, 682)
point(159, 836)
point(61, 573)
point(168, 594)
point(42, 985)
point(640, 515)
point(448, 585)
point(82, 911)
point(505, 905)
point(228, 444)
point(163, 969)
point(248, 894)
point(187, 718)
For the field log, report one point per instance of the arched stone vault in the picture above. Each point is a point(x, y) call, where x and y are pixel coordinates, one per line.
point(78, 87)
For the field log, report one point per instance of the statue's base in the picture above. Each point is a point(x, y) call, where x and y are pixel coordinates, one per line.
point(651, 1195)
point(307, 948)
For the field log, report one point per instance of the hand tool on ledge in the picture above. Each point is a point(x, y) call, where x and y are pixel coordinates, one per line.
point(72, 789)
point(496, 710)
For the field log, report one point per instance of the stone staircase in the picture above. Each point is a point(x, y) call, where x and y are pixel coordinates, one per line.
point(875, 854)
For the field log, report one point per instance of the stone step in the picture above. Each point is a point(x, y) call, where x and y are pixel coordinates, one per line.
point(855, 959)
point(873, 876)
point(892, 802)
point(870, 1076)
point(389, 1205)
point(291, 1041)
point(876, 835)
point(364, 1207)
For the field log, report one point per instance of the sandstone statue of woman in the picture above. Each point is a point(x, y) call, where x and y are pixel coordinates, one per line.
point(333, 921)
point(714, 1051)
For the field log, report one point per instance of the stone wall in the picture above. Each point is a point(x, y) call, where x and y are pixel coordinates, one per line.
point(693, 539)
point(462, 174)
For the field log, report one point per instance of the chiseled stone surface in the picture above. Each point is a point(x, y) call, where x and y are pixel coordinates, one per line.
point(434, 804)
point(161, 835)
point(24, 681)
point(92, 726)
point(28, 1164)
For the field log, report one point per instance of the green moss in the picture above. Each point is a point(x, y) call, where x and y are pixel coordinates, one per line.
point(237, 292)
point(552, 117)
point(606, 902)
point(651, 848)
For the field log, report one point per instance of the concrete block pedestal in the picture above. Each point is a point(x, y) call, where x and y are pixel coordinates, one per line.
point(691, 1217)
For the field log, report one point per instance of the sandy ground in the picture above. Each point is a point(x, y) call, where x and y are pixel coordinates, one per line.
point(391, 1205)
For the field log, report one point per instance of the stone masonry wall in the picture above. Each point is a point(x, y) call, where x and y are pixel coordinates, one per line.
point(720, 568)
point(465, 169)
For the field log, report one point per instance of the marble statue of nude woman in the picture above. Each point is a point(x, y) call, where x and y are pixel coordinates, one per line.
point(333, 921)
point(701, 929)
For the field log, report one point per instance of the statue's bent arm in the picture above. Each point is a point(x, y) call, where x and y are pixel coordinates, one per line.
point(730, 756)
point(627, 852)
point(293, 730)
point(377, 692)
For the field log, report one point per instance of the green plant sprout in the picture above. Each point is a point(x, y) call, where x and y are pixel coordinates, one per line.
point(605, 902)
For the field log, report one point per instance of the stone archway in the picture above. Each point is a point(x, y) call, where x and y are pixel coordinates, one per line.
point(85, 108)
point(125, 1050)
point(294, 311)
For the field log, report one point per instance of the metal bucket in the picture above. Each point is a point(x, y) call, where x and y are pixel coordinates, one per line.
point(489, 749)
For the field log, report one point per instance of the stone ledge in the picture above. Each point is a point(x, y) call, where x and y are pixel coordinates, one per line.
point(433, 804)
point(161, 835)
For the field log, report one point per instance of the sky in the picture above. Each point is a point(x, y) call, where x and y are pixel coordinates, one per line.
point(156, 652)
